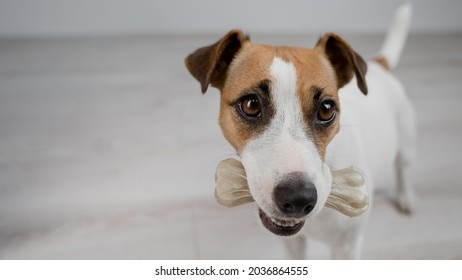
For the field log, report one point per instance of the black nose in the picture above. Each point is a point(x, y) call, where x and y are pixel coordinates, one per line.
point(295, 195)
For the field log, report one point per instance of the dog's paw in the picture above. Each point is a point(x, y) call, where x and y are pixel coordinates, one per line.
point(406, 201)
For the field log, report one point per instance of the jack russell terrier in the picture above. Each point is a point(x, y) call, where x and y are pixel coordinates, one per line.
point(293, 114)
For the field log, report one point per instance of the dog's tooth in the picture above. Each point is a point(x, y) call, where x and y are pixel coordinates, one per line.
point(284, 223)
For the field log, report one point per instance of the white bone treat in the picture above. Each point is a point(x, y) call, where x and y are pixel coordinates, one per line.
point(349, 193)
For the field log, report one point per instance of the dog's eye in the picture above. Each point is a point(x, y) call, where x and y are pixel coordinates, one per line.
point(250, 106)
point(326, 111)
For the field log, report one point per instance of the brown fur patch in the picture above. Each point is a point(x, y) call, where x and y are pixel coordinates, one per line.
point(252, 65)
point(248, 69)
point(345, 60)
point(209, 64)
point(382, 61)
point(236, 67)
point(313, 70)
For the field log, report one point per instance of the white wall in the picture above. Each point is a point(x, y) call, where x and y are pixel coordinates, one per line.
point(80, 17)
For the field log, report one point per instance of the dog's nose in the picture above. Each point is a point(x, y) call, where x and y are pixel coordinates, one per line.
point(295, 195)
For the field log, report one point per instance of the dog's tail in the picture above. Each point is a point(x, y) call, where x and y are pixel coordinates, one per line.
point(396, 37)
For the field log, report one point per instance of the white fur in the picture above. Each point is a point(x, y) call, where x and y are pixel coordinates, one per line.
point(369, 138)
point(397, 34)
point(284, 146)
point(376, 134)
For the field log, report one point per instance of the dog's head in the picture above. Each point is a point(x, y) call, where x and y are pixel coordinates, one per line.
point(280, 109)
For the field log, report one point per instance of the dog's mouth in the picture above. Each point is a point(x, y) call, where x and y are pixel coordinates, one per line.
point(283, 227)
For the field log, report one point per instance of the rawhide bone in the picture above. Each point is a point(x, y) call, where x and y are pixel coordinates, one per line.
point(348, 195)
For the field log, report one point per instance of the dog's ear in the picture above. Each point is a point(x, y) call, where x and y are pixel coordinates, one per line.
point(344, 60)
point(209, 64)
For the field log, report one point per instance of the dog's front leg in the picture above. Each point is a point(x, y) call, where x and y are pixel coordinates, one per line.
point(347, 242)
point(295, 247)
point(406, 155)
point(349, 248)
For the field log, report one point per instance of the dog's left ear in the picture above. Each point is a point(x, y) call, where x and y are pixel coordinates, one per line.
point(344, 60)
point(209, 64)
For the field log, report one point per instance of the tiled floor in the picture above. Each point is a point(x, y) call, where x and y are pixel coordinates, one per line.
point(108, 150)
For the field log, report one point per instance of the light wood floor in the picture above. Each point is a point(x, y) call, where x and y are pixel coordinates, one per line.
point(108, 150)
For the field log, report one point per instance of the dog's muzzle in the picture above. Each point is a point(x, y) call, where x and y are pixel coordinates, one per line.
point(295, 197)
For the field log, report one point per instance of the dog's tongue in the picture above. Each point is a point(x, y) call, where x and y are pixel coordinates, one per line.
point(348, 195)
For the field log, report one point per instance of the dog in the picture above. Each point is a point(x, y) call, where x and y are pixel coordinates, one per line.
point(294, 114)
